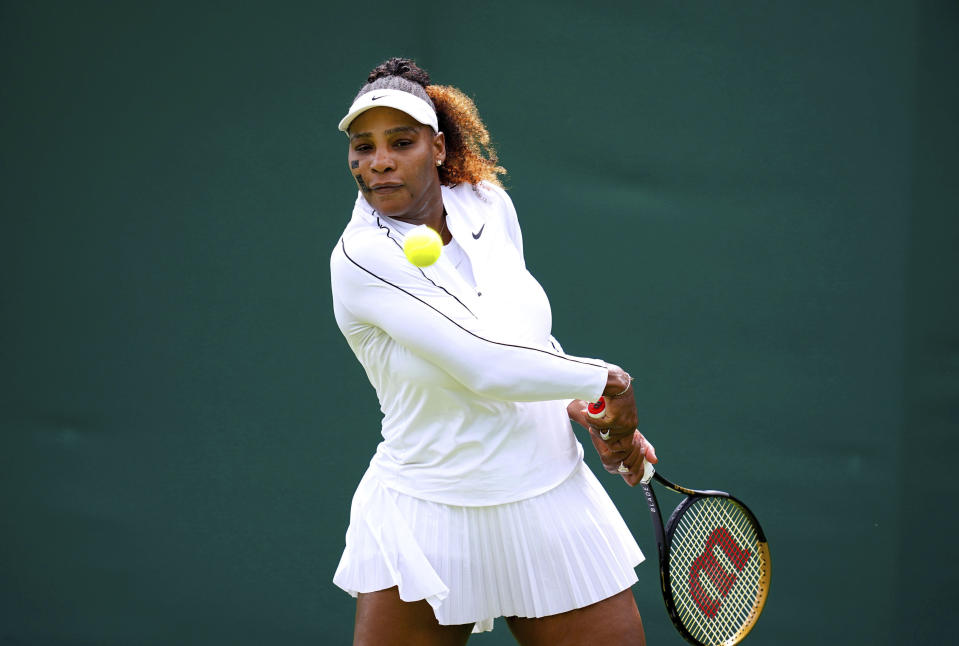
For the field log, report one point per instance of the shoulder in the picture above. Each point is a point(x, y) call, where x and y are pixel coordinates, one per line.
point(481, 193)
point(493, 191)
point(370, 253)
point(485, 200)
point(368, 247)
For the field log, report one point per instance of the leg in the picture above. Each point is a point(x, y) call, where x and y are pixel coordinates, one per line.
point(611, 622)
point(382, 619)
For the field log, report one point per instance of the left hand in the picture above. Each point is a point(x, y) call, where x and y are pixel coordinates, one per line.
point(630, 452)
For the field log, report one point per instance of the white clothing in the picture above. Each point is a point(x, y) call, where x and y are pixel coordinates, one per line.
point(564, 549)
point(460, 261)
point(472, 386)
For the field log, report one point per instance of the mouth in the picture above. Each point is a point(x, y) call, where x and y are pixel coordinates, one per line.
point(385, 187)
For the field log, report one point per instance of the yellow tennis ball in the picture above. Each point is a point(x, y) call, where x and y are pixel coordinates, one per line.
point(422, 246)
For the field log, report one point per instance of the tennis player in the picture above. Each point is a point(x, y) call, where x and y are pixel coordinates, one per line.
point(477, 503)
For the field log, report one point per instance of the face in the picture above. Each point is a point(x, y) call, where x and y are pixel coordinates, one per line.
point(393, 160)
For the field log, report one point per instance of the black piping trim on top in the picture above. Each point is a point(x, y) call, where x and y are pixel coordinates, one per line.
point(508, 345)
point(397, 243)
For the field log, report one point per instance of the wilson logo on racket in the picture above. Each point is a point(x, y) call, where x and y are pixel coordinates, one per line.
point(706, 564)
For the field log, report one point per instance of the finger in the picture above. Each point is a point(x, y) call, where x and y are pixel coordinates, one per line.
point(611, 462)
point(614, 458)
point(622, 434)
point(613, 437)
point(650, 451)
point(606, 453)
point(577, 412)
point(594, 434)
point(634, 453)
point(632, 479)
point(598, 444)
point(634, 461)
point(619, 438)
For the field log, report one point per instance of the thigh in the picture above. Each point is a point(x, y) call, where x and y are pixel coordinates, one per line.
point(382, 619)
point(611, 622)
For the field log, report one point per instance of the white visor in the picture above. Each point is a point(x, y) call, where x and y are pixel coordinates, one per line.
point(403, 101)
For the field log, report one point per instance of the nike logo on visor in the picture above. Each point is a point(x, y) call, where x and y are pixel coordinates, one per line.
point(374, 98)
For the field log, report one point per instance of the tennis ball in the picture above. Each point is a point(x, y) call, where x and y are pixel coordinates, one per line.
point(422, 246)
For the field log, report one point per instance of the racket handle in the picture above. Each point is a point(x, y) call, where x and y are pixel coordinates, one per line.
point(597, 409)
point(648, 471)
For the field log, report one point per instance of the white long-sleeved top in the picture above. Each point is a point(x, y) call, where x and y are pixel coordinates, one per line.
point(472, 386)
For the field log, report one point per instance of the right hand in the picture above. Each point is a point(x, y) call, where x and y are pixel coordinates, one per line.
point(620, 418)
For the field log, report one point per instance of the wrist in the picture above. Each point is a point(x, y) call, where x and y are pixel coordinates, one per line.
point(618, 383)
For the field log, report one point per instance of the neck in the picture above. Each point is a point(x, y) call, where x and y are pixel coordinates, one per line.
point(433, 215)
point(444, 231)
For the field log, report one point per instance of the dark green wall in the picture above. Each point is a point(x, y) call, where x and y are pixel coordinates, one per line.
point(763, 196)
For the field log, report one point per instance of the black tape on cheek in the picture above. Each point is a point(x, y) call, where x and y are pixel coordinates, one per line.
point(362, 184)
point(355, 163)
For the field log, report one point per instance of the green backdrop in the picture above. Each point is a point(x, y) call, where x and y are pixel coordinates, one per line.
point(761, 198)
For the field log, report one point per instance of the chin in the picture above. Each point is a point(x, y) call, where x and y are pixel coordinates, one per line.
point(389, 208)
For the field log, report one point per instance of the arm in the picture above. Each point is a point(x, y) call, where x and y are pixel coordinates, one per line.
point(621, 413)
point(378, 287)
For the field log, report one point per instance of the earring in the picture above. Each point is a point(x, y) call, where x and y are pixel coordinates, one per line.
point(439, 162)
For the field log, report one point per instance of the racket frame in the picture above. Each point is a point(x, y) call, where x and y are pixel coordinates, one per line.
point(664, 536)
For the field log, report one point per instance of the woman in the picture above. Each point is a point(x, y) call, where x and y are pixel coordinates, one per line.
point(477, 503)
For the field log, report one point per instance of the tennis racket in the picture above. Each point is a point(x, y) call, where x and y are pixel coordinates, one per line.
point(714, 565)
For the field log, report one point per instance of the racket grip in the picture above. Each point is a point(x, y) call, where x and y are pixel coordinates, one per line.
point(648, 471)
point(596, 409)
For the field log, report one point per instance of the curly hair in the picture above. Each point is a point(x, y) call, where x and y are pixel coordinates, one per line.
point(470, 157)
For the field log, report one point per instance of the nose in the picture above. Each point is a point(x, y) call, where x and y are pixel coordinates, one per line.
point(382, 160)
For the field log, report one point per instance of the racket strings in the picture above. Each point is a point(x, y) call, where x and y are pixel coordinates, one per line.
point(715, 598)
point(716, 569)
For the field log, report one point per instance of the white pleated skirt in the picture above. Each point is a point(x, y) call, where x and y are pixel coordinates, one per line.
point(564, 549)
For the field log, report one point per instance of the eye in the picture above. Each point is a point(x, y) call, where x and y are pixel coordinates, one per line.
point(362, 148)
point(402, 143)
